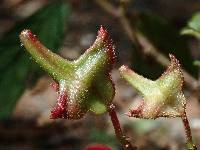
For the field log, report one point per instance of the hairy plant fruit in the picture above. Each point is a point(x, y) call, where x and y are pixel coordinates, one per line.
point(84, 84)
point(162, 97)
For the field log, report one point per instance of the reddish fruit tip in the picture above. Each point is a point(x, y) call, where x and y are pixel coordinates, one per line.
point(124, 68)
point(59, 111)
point(107, 43)
point(102, 31)
point(26, 33)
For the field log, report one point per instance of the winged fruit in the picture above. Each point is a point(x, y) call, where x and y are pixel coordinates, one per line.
point(162, 97)
point(84, 84)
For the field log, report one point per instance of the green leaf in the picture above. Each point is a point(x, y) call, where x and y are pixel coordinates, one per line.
point(197, 63)
point(166, 38)
point(193, 26)
point(49, 24)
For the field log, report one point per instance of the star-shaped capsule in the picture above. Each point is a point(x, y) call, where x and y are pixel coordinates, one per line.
point(84, 84)
point(162, 97)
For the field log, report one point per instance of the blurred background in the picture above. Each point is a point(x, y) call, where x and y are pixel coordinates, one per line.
point(144, 32)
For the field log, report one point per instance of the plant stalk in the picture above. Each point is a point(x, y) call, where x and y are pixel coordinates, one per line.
point(118, 131)
point(189, 141)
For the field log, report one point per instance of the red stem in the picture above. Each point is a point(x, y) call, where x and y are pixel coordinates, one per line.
point(190, 144)
point(118, 131)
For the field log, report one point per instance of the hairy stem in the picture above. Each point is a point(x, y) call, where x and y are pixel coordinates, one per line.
point(118, 131)
point(189, 141)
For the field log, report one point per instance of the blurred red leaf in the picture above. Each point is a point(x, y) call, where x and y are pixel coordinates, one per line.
point(97, 147)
